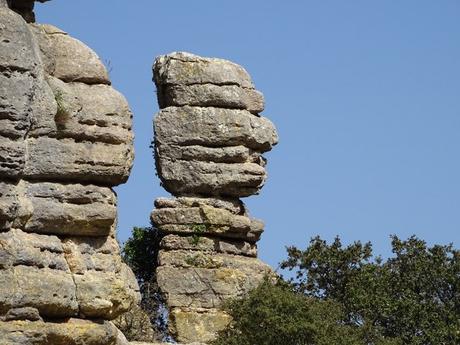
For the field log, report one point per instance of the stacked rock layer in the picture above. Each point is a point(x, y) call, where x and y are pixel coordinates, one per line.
point(209, 141)
point(65, 140)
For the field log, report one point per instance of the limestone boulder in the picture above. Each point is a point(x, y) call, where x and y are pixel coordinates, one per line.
point(208, 245)
point(233, 205)
point(229, 276)
point(85, 112)
point(197, 325)
point(12, 158)
point(105, 286)
point(17, 90)
point(187, 69)
point(66, 209)
point(206, 220)
point(17, 44)
point(211, 179)
point(209, 95)
point(34, 273)
point(9, 204)
point(85, 161)
point(66, 332)
point(213, 127)
point(69, 59)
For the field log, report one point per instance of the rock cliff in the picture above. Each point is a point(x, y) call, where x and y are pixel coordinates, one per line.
point(65, 141)
point(209, 141)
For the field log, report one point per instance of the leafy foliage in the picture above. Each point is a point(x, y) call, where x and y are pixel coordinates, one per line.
point(140, 252)
point(274, 313)
point(345, 295)
point(414, 296)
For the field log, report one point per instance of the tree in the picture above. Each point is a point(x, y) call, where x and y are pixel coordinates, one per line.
point(140, 252)
point(414, 296)
point(274, 314)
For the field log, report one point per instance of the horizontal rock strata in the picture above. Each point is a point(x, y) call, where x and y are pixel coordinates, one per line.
point(209, 141)
point(65, 141)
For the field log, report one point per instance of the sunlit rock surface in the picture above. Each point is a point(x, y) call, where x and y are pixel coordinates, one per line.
point(209, 141)
point(65, 141)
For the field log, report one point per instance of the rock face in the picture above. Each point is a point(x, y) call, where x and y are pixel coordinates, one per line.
point(209, 141)
point(65, 140)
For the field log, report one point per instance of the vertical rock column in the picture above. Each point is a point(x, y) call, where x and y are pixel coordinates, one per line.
point(209, 141)
point(65, 140)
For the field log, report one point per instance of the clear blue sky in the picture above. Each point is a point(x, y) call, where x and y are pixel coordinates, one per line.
point(365, 96)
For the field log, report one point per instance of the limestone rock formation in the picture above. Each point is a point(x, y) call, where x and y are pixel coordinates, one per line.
point(65, 140)
point(209, 141)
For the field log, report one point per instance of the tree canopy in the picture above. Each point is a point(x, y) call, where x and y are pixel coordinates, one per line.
point(345, 295)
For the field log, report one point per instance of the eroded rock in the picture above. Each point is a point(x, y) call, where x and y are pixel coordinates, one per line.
point(209, 141)
point(65, 140)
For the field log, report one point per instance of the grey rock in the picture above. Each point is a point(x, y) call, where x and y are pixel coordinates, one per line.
point(12, 158)
point(185, 68)
point(51, 291)
point(70, 59)
point(105, 286)
point(213, 127)
point(190, 325)
point(209, 142)
point(34, 273)
point(208, 245)
point(26, 313)
point(86, 112)
point(209, 95)
point(207, 279)
point(211, 179)
point(17, 90)
point(9, 205)
point(234, 206)
point(19, 49)
point(33, 250)
point(70, 209)
point(228, 154)
point(66, 332)
point(86, 161)
point(206, 221)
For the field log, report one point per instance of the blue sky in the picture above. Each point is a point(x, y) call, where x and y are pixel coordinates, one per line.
point(365, 96)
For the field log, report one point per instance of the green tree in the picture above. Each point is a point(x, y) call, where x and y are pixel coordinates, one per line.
point(414, 295)
point(274, 314)
point(140, 252)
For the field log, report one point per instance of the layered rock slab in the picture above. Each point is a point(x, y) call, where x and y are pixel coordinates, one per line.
point(209, 141)
point(65, 141)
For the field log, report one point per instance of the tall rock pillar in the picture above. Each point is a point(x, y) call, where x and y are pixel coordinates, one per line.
point(65, 140)
point(209, 141)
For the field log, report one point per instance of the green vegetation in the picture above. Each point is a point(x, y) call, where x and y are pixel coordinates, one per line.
point(344, 295)
point(198, 230)
point(140, 252)
point(62, 114)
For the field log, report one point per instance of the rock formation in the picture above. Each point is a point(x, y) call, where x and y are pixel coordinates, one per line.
point(209, 141)
point(65, 140)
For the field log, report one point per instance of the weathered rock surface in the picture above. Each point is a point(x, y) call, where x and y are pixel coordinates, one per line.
point(214, 127)
point(65, 140)
point(86, 161)
point(66, 332)
point(229, 276)
point(206, 220)
point(192, 324)
point(68, 58)
point(209, 141)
